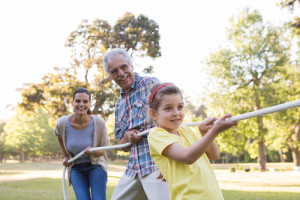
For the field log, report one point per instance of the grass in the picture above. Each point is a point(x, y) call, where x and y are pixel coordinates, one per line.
point(255, 195)
point(235, 186)
point(50, 189)
point(36, 189)
point(41, 188)
point(10, 173)
point(31, 166)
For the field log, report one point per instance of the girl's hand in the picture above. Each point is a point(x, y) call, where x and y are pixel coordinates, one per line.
point(206, 125)
point(66, 163)
point(222, 124)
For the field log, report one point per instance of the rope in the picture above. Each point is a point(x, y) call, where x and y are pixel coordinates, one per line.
point(256, 113)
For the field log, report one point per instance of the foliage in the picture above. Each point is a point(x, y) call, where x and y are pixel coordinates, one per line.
point(2, 140)
point(290, 5)
point(32, 134)
point(247, 73)
point(88, 43)
point(286, 124)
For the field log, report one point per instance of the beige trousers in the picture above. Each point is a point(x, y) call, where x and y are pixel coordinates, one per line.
point(141, 188)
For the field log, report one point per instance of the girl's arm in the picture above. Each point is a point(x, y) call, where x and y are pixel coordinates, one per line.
point(188, 156)
point(212, 151)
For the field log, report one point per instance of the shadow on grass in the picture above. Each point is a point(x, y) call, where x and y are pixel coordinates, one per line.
point(255, 195)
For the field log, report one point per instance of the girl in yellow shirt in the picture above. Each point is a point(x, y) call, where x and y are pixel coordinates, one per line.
point(181, 155)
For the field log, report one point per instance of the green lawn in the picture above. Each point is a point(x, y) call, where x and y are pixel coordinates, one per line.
point(36, 189)
point(253, 195)
point(51, 188)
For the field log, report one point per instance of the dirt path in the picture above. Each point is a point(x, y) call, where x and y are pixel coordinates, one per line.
point(260, 181)
point(17, 175)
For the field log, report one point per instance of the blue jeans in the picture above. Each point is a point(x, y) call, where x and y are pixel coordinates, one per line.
point(85, 176)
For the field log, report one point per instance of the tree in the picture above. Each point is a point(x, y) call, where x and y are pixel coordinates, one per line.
point(54, 94)
point(285, 126)
point(30, 135)
point(291, 4)
point(138, 35)
point(246, 73)
point(2, 140)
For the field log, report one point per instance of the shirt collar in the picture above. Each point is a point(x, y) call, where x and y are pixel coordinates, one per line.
point(133, 86)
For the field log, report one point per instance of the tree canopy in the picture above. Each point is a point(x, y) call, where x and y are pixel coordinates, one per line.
point(88, 44)
point(291, 4)
point(250, 73)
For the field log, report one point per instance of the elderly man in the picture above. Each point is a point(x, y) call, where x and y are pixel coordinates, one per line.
point(139, 181)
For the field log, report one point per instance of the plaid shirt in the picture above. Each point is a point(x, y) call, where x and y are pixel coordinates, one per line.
point(131, 112)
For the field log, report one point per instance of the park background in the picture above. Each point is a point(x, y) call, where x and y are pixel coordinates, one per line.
point(233, 56)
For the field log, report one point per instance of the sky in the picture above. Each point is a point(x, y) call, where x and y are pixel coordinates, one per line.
point(33, 34)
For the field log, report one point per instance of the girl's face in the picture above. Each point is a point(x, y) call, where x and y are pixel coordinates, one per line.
point(81, 103)
point(170, 113)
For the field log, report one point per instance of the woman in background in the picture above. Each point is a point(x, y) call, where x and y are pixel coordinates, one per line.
point(79, 132)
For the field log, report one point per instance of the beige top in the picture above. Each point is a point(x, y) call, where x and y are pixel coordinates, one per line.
point(100, 139)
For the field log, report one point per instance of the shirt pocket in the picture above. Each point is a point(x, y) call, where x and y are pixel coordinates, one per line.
point(140, 108)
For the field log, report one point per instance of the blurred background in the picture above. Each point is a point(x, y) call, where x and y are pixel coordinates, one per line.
point(227, 56)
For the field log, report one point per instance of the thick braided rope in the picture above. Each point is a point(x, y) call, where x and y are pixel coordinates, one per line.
point(256, 113)
point(265, 111)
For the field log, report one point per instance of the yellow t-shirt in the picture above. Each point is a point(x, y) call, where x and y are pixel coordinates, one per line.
point(195, 181)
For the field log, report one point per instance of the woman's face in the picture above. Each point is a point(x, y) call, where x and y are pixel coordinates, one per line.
point(81, 103)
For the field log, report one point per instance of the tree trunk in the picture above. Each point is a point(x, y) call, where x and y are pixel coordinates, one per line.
point(226, 158)
point(262, 156)
point(281, 155)
point(261, 139)
point(296, 156)
point(1, 157)
point(22, 156)
point(295, 145)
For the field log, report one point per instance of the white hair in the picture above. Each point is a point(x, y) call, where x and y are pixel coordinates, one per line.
point(113, 53)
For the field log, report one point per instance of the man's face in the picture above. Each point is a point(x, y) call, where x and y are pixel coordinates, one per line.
point(121, 71)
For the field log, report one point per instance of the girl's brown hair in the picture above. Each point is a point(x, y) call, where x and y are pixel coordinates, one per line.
point(158, 90)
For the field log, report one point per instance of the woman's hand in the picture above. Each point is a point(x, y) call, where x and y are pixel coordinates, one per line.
point(93, 153)
point(65, 162)
point(87, 151)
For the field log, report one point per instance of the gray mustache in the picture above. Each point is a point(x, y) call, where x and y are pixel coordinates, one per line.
point(122, 77)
